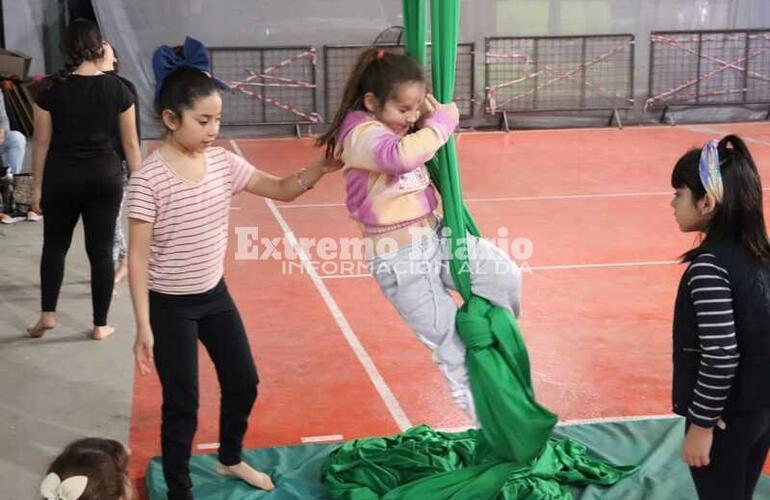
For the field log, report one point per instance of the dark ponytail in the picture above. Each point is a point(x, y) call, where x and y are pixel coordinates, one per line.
point(181, 88)
point(376, 71)
point(82, 41)
point(739, 216)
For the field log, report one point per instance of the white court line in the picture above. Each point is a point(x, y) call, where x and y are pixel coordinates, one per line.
point(344, 276)
point(573, 196)
point(705, 129)
point(309, 205)
point(208, 446)
point(467, 131)
point(521, 198)
point(607, 265)
point(363, 357)
point(323, 439)
point(756, 141)
point(598, 420)
point(512, 198)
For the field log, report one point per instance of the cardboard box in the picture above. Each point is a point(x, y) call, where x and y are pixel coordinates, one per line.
point(14, 64)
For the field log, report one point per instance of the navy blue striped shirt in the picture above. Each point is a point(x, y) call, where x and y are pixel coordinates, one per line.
point(709, 288)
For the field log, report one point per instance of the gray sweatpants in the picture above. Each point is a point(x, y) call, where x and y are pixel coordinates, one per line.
point(417, 280)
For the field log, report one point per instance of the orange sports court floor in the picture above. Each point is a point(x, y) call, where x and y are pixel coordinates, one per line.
point(600, 275)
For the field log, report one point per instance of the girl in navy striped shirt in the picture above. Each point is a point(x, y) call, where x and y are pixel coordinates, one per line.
point(722, 320)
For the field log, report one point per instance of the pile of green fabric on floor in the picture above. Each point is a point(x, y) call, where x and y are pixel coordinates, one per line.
point(513, 455)
point(654, 444)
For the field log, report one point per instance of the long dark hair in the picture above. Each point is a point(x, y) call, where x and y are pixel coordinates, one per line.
point(739, 216)
point(82, 42)
point(103, 461)
point(378, 72)
point(181, 88)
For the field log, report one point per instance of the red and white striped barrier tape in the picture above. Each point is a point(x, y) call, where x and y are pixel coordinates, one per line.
point(280, 82)
point(694, 81)
point(312, 117)
point(491, 91)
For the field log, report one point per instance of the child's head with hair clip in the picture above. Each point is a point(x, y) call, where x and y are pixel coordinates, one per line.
point(390, 86)
point(718, 192)
point(187, 97)
point(89, 469)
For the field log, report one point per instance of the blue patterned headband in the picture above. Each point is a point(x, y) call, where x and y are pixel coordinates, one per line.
point(193, 54)
point(710, 173)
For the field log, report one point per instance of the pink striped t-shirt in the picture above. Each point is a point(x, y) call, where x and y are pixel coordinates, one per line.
point(190, 219)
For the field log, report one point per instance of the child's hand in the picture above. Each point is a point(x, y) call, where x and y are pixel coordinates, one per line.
point(696, 449)
point(430, 105)
point(143, 349)
point(427, 107)
point(328, 165)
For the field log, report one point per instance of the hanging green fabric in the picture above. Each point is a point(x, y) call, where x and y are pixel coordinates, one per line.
point(512, 456)
point(415, 12)
point(497, 360)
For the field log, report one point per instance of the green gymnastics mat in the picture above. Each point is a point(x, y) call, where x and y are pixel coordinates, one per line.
point(652, 444)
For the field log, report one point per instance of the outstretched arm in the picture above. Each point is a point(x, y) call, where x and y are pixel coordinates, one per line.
point(290, 187)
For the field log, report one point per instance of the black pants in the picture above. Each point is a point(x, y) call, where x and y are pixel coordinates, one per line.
point(92, 189)
point(178, 321)
point(737, 456)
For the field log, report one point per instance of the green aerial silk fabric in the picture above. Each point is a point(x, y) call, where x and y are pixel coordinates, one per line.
point(512, 456)
point(654, 444)
point(424, 464)
point(415, 12)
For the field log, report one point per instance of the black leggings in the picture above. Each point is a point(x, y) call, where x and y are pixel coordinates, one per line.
point(92, 189)
point(177, 322)
point(737, 456)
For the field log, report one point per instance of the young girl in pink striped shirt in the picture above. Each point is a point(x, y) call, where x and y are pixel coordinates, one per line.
point(179, 204)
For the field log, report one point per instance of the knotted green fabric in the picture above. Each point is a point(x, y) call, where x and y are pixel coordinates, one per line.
point(514, 424)
point(512, 456)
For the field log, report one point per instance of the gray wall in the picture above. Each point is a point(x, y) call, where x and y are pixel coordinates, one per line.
point(25, 30)
point(136, 27)
point(638, 17)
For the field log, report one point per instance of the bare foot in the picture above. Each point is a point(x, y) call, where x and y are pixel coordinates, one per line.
point(46, 322)
point(115, 294)
point(122, 270)
point(102, 332)
point(33, 217)
point(247, 473)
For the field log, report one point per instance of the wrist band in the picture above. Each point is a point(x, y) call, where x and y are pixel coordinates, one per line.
point(302, 184)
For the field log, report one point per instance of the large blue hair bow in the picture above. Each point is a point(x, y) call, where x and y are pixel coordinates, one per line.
point(193, 54)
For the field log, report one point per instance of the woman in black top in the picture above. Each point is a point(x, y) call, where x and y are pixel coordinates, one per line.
point(77, 171)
